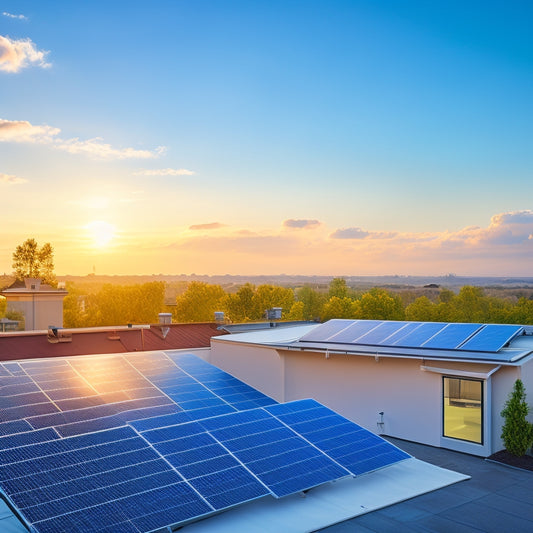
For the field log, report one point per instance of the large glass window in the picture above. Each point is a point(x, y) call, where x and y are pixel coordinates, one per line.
point(463, 409)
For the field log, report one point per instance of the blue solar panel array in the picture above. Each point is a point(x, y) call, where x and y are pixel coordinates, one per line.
point(135, 443)
point(469, 337)
point(351, 446)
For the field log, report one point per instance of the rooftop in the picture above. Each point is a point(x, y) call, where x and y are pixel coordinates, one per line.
point(466, 342)
point(496, 498)
point(29, 345)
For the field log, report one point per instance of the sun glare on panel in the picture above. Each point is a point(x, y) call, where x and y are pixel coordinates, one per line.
point(101, 233)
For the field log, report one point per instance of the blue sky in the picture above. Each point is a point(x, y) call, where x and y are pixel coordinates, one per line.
point(312, 137)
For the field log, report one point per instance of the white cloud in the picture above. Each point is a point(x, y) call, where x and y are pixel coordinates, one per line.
point(208, 226)
point(18, 54)
point(164, 172)
point(98, 149)
point(12, 16)
point(22, 131)
point(10, 179)
point(350, 233)
point(301, 223)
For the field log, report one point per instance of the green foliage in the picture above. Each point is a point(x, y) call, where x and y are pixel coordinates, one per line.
point(296, 312)
point(3, 305)
point(337, 307)
point(269, 296)
point(238, 306)
point(30, 261)
point(313, 302)
point(199, 302)
point(114, 305)
point(422, 310)
point(379, 304)
point(92, 303)
point(19, 317)
point(338, 288)
point(517, 432)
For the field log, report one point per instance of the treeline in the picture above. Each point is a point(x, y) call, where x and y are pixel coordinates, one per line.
point(200, 301)
point(111, 305)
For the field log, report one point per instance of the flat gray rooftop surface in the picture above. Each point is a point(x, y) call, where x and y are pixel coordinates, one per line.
point(497, 499)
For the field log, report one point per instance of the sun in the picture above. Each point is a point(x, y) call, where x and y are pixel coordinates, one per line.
point(101, 233)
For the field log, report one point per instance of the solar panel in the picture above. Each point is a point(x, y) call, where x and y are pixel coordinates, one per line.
point(323, 332)
point(355, 448)
point(216, 474)
point(452, 336)
point(381, 333)
point(353, 332)
point(419, 335)
point(124, 445)
point(492, 338)
point(279, 457)
point(74, 482)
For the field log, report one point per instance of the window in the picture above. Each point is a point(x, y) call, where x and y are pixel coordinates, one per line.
point(463, 409)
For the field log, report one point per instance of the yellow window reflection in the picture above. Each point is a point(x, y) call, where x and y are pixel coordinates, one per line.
point(463, 409)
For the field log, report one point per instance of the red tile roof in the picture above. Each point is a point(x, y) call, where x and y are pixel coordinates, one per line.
point(99, 341)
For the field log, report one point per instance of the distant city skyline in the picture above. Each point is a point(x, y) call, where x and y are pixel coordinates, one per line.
point(245, 137)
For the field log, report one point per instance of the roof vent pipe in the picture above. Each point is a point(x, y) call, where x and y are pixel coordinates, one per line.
point(165, 318)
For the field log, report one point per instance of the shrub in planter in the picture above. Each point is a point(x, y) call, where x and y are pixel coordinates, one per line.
point(517, 432)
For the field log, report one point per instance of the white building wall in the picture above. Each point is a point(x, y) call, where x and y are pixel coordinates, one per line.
point(40, 310)
point(359, 387)
point(258, 366)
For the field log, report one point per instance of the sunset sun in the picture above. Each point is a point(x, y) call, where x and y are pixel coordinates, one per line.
point(101, 233)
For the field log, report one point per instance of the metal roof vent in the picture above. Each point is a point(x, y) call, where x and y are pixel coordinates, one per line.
point(274, 313)
point(165, 318)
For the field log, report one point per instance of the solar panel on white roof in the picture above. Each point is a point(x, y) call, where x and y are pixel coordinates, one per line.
point(116, 443)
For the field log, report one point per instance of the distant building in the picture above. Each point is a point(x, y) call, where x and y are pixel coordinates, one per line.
point(41, 305)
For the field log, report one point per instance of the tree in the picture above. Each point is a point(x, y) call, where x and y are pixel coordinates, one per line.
point(517, 432)
point(422, 309)
point(269, 296)
point(312, 301)
point(238, 306)
point(30, 261)
point(199, 302)
point(379, 304)
point(338, 288)
point(337, 307)
point(114, 305)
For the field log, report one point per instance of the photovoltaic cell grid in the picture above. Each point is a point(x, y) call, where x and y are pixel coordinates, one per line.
point(351, 446)
point(431, 335)
point(275, 454)
point(139, 442)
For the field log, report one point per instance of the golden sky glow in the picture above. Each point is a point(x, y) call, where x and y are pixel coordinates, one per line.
point(349, 138)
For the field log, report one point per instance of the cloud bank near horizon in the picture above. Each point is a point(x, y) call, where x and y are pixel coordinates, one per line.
point(503, 247)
